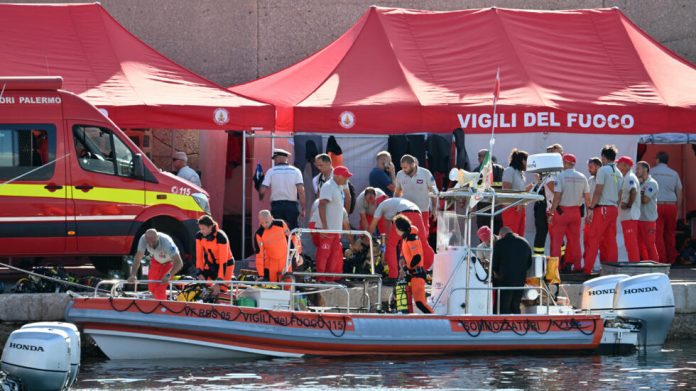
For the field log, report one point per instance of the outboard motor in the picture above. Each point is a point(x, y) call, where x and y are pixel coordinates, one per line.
point(598, 293)
point(649, 298)
point(75, 344)
point(39, 358)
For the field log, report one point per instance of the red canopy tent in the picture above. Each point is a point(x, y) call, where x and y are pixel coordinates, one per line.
point(111, 68)
point(400, 71)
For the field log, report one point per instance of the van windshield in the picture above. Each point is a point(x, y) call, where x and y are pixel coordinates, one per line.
point(99, 150)
point(27, 152)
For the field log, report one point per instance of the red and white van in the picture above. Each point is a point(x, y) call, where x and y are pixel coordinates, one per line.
point(73, 184)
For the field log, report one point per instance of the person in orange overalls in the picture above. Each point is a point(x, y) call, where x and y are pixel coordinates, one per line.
point(272, 247)
point(412, 251)
point(214, 259)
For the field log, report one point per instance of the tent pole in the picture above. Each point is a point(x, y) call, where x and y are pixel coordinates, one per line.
point(272, 146)
point(244, 172)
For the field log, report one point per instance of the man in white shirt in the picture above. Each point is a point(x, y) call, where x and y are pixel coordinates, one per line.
point(329, 258)
point(287, 188)
point(571, 190)
point(593, 166)
point(669, 203)
point(603, 211)
point(324, 164)
point(647, 234)
point(630, 208)
point(417, 185)
point(180, 161)
point(165, 261)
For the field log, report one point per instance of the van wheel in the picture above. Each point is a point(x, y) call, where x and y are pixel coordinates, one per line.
point(108, 266)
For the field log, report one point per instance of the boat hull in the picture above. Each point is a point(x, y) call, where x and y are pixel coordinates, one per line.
point(127, 328)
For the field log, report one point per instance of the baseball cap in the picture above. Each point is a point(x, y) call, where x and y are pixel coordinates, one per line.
point(342, 171)
point(625, 159)
point(569, 158)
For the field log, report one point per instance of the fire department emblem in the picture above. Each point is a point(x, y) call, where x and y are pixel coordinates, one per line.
point(347, 119)
point(221, 116)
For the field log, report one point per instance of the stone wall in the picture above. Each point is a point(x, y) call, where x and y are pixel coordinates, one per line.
point(167, 141)
point(234, 41)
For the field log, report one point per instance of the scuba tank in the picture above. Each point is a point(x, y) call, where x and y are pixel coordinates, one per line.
point(401, 296)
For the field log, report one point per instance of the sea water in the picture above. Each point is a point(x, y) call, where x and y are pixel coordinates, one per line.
point(670, 368)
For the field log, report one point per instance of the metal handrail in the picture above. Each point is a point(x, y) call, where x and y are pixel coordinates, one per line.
point(494, 197)
point(232, 283)
point(505, 288)
point(329, 231)
point(364, 277)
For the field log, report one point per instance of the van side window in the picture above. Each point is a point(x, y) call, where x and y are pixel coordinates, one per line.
point(27, 152)
point(99, 150)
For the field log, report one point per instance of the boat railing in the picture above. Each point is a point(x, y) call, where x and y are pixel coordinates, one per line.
point(364, 277)
point(117, 287)
point(458, 205)
point(300, 231)
point(541, 289)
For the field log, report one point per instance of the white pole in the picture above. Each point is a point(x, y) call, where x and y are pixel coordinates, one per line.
point(272, 146)
point(244, 176)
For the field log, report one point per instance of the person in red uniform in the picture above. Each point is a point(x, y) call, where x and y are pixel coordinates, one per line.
point(214, 259)
point(386, 211)
point(412, 251)
point(272, 247)
point(365, 205)
point(603, 211)
point(593, 165)
point(647, 231)
point(669, 204)
point(629, 212)
point(513, 179)
point(165, 261)
point(329, 258)
point(571, 191)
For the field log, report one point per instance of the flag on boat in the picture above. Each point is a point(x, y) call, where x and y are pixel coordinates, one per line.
point(496, 89)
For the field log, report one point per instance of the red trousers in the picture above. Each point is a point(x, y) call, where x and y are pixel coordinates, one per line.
point(515, 219)
point(630, 234)
point(329, 256)
point(602, 246)
point(646, 241)
point(602, 232)
point(666, 226)
point(156, 272)
point(314, 235)
point(393, 241)
point(566, 224)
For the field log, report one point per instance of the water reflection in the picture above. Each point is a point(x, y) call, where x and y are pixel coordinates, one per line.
point(670, 368)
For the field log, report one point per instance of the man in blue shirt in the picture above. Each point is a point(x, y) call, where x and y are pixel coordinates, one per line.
point(384, 175)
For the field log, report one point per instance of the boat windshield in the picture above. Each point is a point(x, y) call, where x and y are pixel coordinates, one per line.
point(451, 229)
